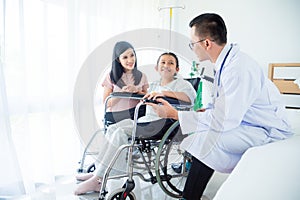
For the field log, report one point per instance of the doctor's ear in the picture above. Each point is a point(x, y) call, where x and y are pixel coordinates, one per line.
point(156, 67)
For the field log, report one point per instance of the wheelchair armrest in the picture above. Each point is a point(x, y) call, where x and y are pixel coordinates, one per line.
point(178, 104)
point(174, 101)
point(171, 100)
point(126, 95)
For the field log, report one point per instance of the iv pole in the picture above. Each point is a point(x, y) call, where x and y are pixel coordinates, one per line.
point(171, 16)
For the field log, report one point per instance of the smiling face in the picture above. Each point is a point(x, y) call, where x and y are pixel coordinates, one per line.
point(167, 67)
point(127, 60)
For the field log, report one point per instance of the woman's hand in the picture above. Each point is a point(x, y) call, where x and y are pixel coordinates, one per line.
point(130, 88)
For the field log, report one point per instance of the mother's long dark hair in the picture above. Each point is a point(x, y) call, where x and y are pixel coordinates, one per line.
point(117, 69)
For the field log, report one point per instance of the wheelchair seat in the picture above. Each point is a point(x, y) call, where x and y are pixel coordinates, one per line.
point(116, 116)
point(153, 130)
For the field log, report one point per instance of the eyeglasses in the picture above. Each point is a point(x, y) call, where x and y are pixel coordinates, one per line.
point(192, 44)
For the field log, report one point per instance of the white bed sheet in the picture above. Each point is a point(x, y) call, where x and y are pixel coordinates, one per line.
point(267, 172)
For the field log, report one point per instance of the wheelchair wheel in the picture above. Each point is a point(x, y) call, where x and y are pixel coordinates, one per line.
point(169, 153)
point(116, 195)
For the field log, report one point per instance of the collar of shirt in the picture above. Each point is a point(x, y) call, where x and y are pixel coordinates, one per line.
point(221, 57)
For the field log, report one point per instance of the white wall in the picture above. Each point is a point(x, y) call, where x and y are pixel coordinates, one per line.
point(268, 30)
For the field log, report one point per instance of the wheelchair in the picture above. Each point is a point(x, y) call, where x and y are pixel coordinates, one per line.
point(158, 151)
point(109, 118)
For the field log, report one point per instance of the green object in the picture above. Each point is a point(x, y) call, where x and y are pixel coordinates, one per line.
point(193, 69)
point(192, 74)
point(198, 101)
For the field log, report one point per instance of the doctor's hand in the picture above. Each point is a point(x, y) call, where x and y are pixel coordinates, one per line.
point(164, 109)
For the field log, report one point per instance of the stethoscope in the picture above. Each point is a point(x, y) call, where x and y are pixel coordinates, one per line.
point(221, 69)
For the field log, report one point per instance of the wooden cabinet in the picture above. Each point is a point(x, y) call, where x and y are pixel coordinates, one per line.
point(284, 75)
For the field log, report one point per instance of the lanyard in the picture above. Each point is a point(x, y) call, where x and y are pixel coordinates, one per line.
point(220, 72)
point(222, 65)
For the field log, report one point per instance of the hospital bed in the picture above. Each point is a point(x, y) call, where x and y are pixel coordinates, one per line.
point(270, 171)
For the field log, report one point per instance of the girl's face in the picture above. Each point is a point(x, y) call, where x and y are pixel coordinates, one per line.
point(167, 66)
point(127, 60)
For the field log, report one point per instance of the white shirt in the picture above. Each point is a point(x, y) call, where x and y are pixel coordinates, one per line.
point(244, 96)
point(177, 85)
point(246, 111)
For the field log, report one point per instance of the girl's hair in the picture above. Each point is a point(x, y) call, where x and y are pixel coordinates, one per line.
point(117, 69)
point(170, 54)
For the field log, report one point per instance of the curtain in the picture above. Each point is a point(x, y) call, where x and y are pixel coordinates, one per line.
point(10, 182)
point(43, 44)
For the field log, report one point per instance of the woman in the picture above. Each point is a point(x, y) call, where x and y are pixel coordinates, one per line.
point(123, 77)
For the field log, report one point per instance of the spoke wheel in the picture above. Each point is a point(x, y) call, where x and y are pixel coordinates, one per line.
point(116, 195)
point(169, 153)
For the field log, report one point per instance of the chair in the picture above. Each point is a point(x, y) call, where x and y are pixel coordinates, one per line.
point(158, 150)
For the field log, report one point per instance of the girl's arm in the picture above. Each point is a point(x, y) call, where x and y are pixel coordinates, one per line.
point(178, 95)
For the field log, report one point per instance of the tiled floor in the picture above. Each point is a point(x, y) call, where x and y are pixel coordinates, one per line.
point(65, 185)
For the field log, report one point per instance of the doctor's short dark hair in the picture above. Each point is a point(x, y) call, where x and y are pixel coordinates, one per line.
point(210, 25)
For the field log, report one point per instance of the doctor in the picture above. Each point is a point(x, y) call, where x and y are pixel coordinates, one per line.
point(246, 110)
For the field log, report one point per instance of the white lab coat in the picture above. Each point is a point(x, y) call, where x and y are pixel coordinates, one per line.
point(246, 111)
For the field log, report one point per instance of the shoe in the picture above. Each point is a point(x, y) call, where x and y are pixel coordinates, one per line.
point(177, 167)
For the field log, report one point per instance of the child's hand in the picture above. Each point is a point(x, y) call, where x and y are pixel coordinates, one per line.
point(153, 95)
